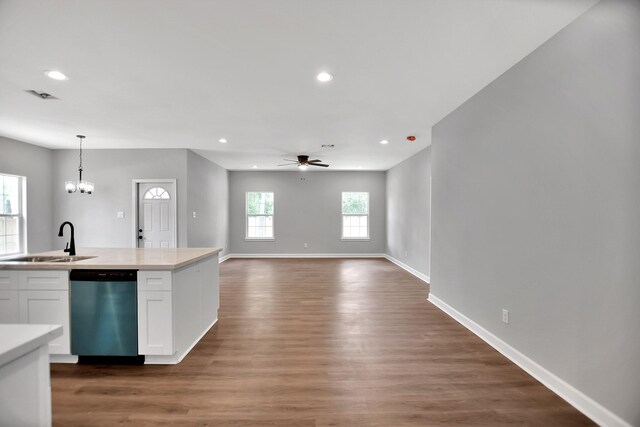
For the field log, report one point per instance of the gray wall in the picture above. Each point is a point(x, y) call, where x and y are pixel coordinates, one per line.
point(536, 206)
point(35, 163)
point(112, 171)
point(307, 210)
point(208, 196)
point(409, 211)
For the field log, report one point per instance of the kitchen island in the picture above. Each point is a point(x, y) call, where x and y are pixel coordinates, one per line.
point(177, 295)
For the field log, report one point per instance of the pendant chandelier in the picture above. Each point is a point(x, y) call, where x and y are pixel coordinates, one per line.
point(83, 186)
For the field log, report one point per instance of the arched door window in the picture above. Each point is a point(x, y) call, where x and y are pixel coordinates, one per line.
point(156, 193)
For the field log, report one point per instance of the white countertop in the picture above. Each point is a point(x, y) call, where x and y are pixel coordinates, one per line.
point(16, 340)
point(119, 258)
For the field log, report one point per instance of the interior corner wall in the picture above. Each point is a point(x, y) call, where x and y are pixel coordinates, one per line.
point(409, 212)
point(208, 198)
point(112, 171)
point(36, 164)
point(307, 210)
point(536, 207)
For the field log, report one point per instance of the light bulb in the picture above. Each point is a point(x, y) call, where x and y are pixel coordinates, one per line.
point(70, 186)
point(303, 167)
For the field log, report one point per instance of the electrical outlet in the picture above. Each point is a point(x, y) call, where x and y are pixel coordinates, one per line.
point(306, 245)
point(505, 316)
point(120, 214)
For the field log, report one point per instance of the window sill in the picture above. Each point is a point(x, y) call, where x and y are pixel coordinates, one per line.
point(356, 239)
point(259, 239)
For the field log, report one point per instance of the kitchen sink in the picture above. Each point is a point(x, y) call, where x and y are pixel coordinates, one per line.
point(71, 258)
point(49, 258)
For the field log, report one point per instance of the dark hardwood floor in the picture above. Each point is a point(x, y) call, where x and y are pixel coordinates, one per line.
point(317, 343)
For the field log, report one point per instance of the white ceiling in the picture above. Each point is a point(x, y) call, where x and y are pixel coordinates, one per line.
point(174, 74)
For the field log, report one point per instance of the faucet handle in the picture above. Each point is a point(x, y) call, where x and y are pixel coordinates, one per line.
point(66, 248)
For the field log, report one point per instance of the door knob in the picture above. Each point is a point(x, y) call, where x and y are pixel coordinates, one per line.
point(140, 230)
point(140, 237)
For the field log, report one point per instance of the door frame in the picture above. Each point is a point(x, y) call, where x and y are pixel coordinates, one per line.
point(134, 197)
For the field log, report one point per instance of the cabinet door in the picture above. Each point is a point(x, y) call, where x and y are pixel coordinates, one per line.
point(9, 307)
point(47, 308)
point(155, 323)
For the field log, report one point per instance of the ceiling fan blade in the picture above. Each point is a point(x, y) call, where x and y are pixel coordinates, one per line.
point(289, 164)
point(315, 161)
point(319, 164)
point(290, 160)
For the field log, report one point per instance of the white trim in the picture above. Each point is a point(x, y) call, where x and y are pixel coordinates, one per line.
point(134, 196)
point(359, 255)
point(411, 270)
point(355, 239)
point(259, 239)
point(223, 258)
point(63, 358)
point(583, 403)
point(175, 358)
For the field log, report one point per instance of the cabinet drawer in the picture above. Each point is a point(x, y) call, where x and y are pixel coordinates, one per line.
point(8, 280)
point(44, 280)
point(154, 280)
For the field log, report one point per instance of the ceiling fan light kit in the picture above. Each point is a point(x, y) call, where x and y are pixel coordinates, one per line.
point(303, 163)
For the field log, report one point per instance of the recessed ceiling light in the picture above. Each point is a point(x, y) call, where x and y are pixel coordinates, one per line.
point(324, 77)
point(56, 75)
point(222, 141)
point(384, 142)
point(255, 166)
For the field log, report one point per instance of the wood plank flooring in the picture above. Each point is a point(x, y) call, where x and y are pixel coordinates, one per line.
point(317, 342)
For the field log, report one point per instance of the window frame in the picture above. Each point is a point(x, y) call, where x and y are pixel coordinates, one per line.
point(22, 217)
point(246, 218)
point(368, 215)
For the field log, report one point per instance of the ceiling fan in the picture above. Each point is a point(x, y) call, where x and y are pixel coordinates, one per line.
point(303, 163)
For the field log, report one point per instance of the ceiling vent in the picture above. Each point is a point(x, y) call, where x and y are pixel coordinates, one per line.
point(42, 95)
point(328, 145)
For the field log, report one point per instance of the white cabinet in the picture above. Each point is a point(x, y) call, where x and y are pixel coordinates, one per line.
point(44, 299)
point(155, 313)
point(175, 309)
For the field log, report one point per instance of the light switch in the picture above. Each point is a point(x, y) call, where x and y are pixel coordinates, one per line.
point(120, 214)
point(194, 214)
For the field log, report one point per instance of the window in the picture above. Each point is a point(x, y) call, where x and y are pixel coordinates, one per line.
point(156, 193)
point(259, 215)
point(355, 215)
point(12, 222)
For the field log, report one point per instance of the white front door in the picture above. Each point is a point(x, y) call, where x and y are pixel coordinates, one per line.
point(156, 208)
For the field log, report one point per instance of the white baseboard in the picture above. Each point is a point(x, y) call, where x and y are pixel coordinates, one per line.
point(223, 258)
point(304, 255)
point(63, 358)
point(589, 407)
point(411, 270)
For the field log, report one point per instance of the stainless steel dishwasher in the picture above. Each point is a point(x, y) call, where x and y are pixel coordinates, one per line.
point(104, 316)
